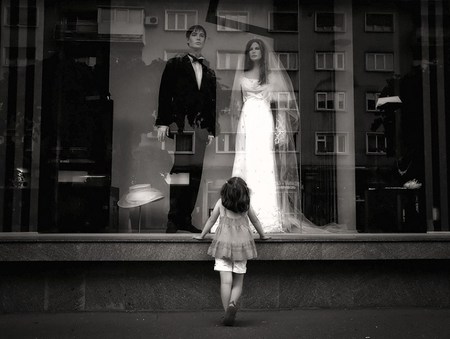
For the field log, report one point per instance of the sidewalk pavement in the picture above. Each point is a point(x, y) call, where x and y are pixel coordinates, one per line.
point(411, 323)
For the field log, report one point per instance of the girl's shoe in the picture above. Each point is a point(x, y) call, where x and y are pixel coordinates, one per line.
point(230, 314)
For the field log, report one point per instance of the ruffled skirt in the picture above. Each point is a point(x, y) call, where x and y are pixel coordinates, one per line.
point(233, 240)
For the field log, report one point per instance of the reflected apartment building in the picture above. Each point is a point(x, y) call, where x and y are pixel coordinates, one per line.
point(101, 63)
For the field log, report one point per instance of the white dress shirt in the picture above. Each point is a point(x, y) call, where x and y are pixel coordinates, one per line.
point(198, 69)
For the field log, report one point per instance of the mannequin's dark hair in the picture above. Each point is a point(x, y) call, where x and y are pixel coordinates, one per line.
point(235, 195)
point(193, 29)
point(248, 63)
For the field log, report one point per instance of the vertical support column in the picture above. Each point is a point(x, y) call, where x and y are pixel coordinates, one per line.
point(345, 122)
point(425, 43)
point(442, 133)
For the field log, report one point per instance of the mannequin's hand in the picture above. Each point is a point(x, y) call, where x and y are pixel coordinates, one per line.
point(163, 131)
point(210, 140)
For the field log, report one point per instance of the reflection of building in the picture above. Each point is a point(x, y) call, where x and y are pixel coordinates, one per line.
point(360, 45)
point(338, 56)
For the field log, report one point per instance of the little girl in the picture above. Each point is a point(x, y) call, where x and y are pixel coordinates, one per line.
point(233, 241)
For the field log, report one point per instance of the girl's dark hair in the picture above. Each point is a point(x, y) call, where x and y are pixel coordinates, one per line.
point(235, 195)
point(193, 29)
point(248, 64)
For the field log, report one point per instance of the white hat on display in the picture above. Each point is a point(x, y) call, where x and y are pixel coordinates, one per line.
point(139, 195)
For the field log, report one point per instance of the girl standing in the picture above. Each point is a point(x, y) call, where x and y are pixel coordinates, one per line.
point(233, 241)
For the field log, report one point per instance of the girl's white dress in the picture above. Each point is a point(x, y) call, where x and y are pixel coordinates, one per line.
point(255, 159)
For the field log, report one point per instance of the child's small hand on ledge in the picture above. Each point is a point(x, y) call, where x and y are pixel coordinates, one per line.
point(197, 237)
point(265, 237)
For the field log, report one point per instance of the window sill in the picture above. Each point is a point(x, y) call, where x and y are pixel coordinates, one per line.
point(16, 247)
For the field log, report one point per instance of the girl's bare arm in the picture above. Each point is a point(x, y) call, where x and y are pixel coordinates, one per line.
point(255, 221)
point(211, 220)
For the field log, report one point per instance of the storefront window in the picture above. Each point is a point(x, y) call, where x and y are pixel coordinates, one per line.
point(342, 127)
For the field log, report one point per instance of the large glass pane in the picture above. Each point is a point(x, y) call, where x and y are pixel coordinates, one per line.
point(345, 133)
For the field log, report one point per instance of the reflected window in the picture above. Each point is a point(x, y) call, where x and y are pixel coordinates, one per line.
point(331, 143)
point(329, 61)
point(121, 23)
point(376, 143)
point(330, 22)
point(285, 60)
point(380, 62)
point(181, 144)
point(180, 20)
point(380, 22)
point(283, 22)
point(285, 101)
point(371, 101)
point(225, 143)
point(232, 21)
point(228, 60)
point(330, 101)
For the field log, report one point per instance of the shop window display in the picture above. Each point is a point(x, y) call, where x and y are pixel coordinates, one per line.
point(360, 94)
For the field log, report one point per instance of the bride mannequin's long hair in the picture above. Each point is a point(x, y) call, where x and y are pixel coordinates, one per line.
point(249, 63)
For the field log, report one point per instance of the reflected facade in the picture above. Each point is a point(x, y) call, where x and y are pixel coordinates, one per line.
point(79, 93)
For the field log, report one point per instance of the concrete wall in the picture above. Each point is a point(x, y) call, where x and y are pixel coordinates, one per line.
point(144, 272)
point(152, 286)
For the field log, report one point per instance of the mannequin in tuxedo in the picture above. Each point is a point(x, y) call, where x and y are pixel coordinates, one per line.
point(187, 96)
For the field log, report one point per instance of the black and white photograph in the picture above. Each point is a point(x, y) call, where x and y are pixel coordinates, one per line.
point(224, 168)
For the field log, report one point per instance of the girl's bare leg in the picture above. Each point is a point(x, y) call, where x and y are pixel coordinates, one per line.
point(236, 289)
point(226, 283)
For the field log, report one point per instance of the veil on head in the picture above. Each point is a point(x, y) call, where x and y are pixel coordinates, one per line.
point(287, 122)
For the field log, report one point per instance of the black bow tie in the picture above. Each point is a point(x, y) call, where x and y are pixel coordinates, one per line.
point(195, 59)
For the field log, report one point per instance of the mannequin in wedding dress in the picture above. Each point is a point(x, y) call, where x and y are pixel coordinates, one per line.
point(265, 117)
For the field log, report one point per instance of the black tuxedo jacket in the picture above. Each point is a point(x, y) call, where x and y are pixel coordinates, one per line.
point(180, 97)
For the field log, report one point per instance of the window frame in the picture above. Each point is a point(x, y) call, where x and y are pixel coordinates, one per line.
point(377, 95)
point(335, 61)
point(270, 22)
point(227, 53)
point(174, 151)
point(114, 9)
point(226, 147)
point(376, 134)
point(290, 55)
point(333, 29)
point(176, 12)
point(281, 96)
point(336, 142)
point(335, 99)
point(375, 30)
point(375, 55)
point(222, 14)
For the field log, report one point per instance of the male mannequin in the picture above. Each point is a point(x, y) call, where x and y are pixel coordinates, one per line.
point(187, 93)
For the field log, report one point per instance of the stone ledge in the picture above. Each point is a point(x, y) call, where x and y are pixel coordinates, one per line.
point(17, 247)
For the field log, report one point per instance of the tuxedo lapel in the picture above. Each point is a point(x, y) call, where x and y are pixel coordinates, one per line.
point(204, 75)
point(190, 70)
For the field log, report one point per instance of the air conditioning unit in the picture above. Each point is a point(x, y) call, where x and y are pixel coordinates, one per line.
point(151, 20)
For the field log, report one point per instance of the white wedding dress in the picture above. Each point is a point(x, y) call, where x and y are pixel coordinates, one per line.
point(255, 159)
